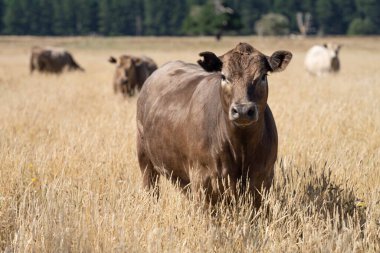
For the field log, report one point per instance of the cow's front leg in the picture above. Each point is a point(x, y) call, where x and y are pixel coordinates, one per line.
point(261, 179)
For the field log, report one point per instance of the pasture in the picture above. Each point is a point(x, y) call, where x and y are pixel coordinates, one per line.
point(70, 180)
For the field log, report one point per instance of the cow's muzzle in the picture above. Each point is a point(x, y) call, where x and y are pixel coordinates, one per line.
point(243, 114)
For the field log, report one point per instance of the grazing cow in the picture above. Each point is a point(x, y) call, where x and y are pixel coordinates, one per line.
point(52, 60)
point(210, 126)
point(131, 72)
point(321, 60)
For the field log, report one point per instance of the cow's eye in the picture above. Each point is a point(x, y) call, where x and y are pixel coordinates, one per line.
point(225, 81)
point(263, 79)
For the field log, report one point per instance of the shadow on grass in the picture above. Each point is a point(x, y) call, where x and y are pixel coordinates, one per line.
point(314, 192)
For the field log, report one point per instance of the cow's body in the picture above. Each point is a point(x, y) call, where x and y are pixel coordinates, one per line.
point(52, 60)
point(185, 133)
point(323, 59)
point(131, 73)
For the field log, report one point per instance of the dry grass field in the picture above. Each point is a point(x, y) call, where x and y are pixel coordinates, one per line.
point(70, 181)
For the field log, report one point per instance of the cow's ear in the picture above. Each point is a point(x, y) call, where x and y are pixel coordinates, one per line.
point(112, 59)
point(210, 62)
point(279, 60)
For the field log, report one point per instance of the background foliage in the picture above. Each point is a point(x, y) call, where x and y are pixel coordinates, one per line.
point(189, 17)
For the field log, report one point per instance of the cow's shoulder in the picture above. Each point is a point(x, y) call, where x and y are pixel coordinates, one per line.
point(318, 51)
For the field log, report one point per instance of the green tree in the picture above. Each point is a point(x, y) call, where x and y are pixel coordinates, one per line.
point(164, 17)
point(1, 15)
point(58, 25)
point(70, 17)
point(196, 2)
point(167, 17)
point(85, 14)
point(15, 21)
point(65, 17)
point(118, 17)
point(289, 9)
point(178, 13)
point(369, 11)
point(250, 12)
point(361, 26)
point(121, 17)
point(206, 20)
point(104, 21)
point(43, 12)
point(347, 12)
point(329, 17)
point(272, 24)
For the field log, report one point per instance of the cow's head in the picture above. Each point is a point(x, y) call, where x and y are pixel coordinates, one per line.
point(125, 74)
point(333, 52)
point(333, 49)
point(243, 80)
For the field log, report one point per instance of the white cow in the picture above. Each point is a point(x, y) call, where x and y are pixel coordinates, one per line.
point(323, 59)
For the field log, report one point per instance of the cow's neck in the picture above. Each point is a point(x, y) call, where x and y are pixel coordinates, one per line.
point(243, 140)
point(247, 137)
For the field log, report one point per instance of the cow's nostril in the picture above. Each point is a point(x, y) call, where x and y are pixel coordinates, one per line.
point(235, 113)
point(251, 113)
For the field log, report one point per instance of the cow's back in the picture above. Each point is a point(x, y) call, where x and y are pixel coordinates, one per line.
point(54, 59)
point(173, 83)
point(171, 109)
point(317, 60)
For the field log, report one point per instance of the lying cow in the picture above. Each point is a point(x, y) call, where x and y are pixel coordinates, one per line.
point(323, 59)
point(52, 60)
point(209, 126)
point(131, 73)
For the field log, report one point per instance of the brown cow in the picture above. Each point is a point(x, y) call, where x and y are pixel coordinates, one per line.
point(131, 72)
point(210, 127)
point(52, 60)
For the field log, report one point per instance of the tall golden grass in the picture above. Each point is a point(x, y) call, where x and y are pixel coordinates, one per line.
point(70, 181)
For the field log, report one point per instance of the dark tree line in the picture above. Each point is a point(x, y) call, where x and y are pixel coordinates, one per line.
point(187, 17)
